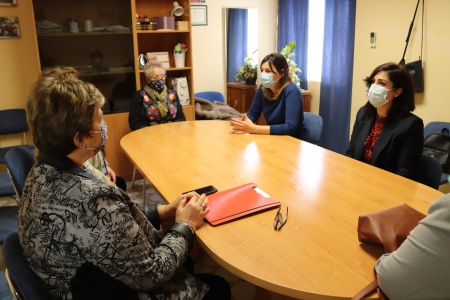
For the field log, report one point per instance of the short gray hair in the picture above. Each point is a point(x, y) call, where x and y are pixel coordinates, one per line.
point(150, 66)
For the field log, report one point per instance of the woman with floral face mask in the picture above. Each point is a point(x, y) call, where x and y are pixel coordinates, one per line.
point(386, 134)
point(155, 103)
point(278, 98)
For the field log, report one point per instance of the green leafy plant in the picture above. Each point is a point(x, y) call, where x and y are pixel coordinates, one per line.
point(287, 52)
point(248, 70)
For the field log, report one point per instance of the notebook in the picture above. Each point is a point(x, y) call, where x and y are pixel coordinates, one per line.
point(238, 202)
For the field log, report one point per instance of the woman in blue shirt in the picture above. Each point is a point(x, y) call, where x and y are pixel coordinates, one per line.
point(278, 98)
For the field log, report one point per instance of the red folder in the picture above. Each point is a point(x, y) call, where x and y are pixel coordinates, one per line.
point(238, 202)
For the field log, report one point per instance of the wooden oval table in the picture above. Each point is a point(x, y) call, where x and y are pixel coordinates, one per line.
point(316, 255)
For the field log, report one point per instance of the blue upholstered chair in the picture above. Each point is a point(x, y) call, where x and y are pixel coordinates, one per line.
point(436, 127)
point(23, 281)
point(6, 186)
point(210, 96)
point(8, 221)
point(13, 121)
point(5, 293)
point(19, 161)
point(429, 172)
point(314, 126)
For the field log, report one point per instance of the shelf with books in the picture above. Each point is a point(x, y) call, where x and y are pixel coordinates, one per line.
point(164, 40)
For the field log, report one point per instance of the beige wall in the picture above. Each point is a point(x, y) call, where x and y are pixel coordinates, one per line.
point(18, 59)
point(208, 41)
point(18, 62)
point(390, 20)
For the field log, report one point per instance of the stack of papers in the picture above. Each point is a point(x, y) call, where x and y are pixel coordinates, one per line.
point(47, 27)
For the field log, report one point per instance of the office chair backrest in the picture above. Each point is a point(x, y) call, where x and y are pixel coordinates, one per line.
point(210, 96)
point(314, 126)
point(435, 127)
point(8, 221)
point(13, 121)
point(19, 161)
point(429, 171)
point(24, 282)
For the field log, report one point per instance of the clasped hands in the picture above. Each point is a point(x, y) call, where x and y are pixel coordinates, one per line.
point(243, 124)
point(190, 208)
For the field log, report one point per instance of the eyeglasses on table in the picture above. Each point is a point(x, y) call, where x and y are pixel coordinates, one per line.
point(279, 222)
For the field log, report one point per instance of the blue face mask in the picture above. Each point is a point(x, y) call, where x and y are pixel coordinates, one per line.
point(267, 80)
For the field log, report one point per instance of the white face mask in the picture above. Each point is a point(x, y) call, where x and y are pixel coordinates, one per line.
point(377, 95)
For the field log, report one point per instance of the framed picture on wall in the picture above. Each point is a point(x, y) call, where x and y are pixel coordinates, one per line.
point(9, 28)
point(8, 2)
point(199, 15)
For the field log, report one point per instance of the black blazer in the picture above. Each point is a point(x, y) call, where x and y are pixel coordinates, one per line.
point(398, 148)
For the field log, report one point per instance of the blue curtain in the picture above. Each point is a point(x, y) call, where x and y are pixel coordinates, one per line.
point(337, 73)
point(237, 31)
point(293, 26)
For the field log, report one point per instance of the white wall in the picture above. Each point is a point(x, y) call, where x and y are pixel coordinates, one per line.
point(209, 41)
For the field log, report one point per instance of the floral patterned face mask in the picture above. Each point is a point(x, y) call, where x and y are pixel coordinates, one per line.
point(104, 133)
point(157, 85)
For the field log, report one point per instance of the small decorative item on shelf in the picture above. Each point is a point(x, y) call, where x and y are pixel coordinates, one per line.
point(248, 71)
point(179, 54)
point(73, 26)
point(293, 68)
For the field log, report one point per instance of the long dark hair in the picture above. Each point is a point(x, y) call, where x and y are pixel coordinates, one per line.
point(400, 78)
point(279, 62)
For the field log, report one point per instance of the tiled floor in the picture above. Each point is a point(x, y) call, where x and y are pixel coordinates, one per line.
point(240, 289)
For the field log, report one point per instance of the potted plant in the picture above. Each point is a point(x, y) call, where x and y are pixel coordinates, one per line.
point(293, 68)
point(248, 71)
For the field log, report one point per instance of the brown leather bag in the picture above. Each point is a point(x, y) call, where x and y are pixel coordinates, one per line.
point(389, 227)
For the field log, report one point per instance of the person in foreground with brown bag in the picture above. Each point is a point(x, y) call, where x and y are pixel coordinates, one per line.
point(420, 267)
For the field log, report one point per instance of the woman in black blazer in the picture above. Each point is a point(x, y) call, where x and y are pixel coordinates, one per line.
point(386, 134)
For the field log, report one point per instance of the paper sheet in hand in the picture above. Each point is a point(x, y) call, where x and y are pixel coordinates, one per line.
point(238, 202)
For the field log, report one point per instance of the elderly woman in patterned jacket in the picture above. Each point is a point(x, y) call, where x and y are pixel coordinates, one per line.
point(155, 103)
point(85, 239)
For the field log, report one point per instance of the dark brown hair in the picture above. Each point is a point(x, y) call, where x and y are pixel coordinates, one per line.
point(400, 78)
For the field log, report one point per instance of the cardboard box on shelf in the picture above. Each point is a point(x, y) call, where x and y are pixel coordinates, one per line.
point(161, 57)
point(181, 25)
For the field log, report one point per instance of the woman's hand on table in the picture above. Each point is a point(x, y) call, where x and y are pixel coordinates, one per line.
point(244, 124)
point(192, 209)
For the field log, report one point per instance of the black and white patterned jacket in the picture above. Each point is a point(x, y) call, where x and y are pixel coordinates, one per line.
point(87, 239)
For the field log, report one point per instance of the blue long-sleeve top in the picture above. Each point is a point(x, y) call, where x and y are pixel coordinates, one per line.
point(284, 115)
